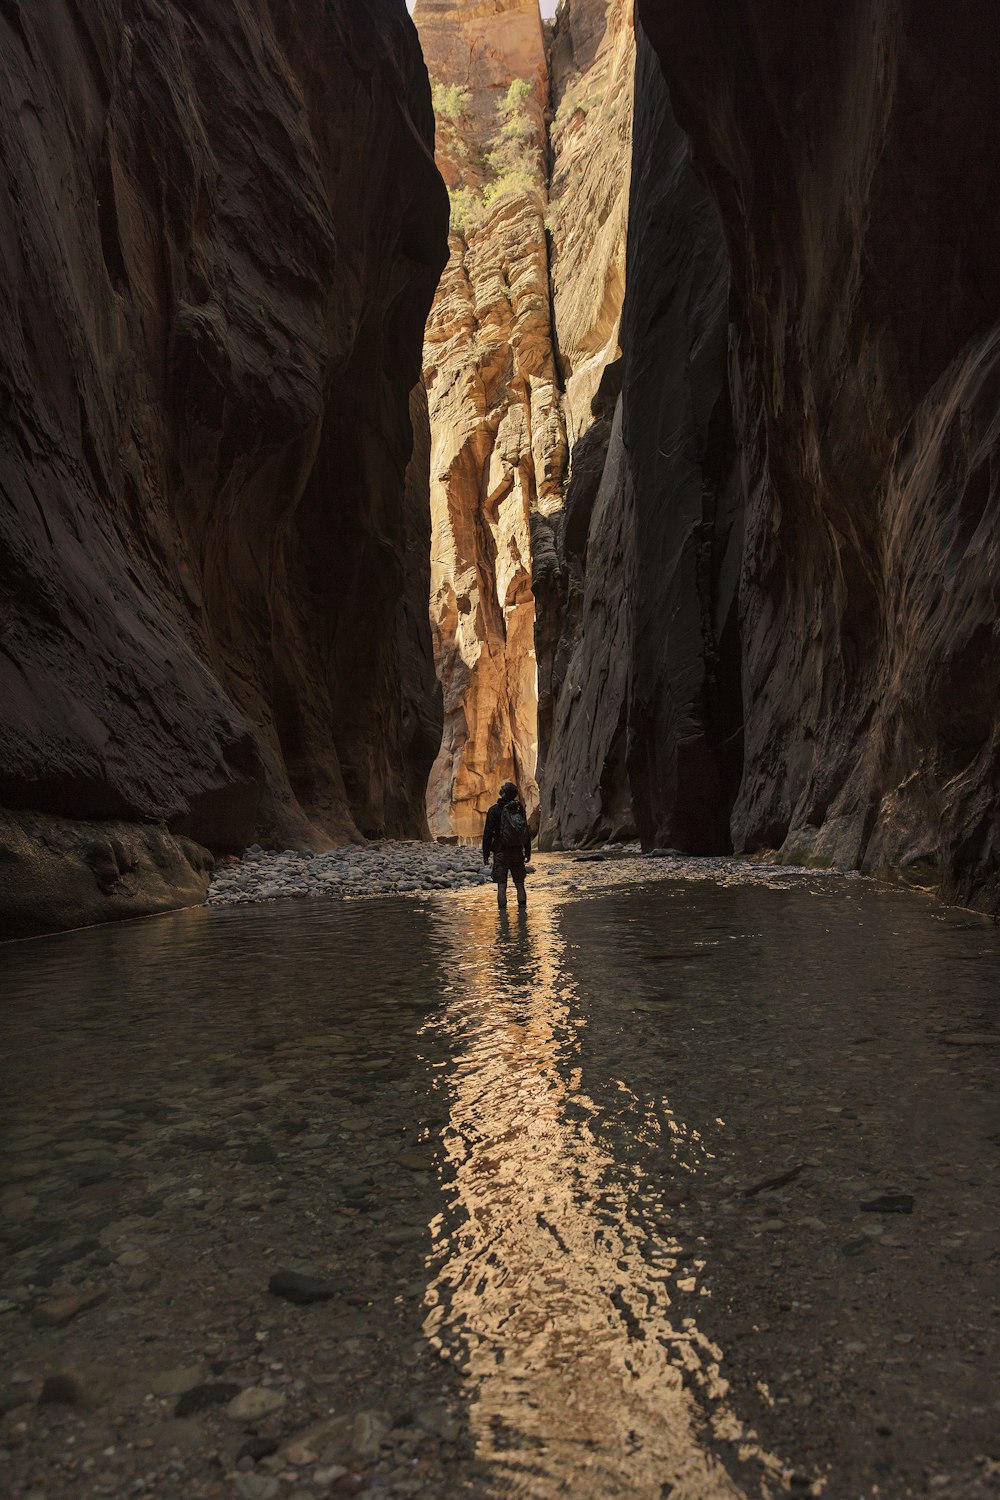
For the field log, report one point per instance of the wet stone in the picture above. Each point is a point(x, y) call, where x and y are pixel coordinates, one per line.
point(171, 1383)
point(204, 1397)
point(256, 1448)
point(257, 1487)
point(254, 1403)
point(62, 1310)
point(889, 1203)
point(297, 1286)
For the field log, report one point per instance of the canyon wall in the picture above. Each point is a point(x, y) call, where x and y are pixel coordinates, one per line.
point(640, 632)
point(221, 231)
point(852, 150)
point(592, 62)
point(534, 135)
point(497, 436)
point(800, 567)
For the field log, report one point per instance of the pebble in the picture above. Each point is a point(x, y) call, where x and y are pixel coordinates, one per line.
point(329, 1475)
point(62, 1386)
point(296, 1286)
point(61, 1310)
point(255, 1402)
point(299, 1455)
point(171, 1383)
point(257, 1486)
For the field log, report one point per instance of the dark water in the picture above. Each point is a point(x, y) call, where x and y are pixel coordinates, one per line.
point(604, 1084)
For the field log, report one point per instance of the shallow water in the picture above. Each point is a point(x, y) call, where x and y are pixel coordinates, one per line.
point(542, 1153)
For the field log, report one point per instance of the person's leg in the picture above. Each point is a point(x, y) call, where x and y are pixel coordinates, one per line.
point(522, 898)
point(502, 890)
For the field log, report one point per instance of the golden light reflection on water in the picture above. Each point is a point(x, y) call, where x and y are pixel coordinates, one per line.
point(551, 1292)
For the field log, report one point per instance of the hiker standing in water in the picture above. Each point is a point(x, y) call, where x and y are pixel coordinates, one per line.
point(506, 837)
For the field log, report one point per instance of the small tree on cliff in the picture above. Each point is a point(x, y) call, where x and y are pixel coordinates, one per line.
point(514, 163)
point(452, 109)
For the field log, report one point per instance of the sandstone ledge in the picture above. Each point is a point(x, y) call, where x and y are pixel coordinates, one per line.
point(58, 873)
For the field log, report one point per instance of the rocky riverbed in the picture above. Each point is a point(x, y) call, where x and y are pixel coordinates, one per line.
point(393, 867)
point(407, 867)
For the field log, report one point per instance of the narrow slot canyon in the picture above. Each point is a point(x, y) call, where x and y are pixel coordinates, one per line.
point(534, 144)
point(406, 401)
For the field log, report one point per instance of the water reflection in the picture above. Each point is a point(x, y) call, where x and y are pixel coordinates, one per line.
point(614, 1078)
point(551, 1291)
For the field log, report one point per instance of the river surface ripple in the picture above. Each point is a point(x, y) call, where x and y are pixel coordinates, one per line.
point(661, 1189)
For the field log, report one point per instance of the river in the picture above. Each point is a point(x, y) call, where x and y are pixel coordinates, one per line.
point(667, 1187)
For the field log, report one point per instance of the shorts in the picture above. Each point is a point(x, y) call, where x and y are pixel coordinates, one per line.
point(509, 862)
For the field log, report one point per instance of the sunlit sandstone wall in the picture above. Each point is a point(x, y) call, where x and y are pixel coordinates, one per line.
point(524, 326)
point(220, 231)
point(497, 436)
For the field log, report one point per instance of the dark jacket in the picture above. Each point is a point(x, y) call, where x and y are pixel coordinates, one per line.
point(491, 832)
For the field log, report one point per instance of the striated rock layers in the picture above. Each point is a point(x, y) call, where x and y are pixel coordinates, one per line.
point(221, 230)
point(809, 540)
point(497, 437)
point(524, 325)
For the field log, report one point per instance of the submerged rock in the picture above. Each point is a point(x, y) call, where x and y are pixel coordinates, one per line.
point(296, 1286)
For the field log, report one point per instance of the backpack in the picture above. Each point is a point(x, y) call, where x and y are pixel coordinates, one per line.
point(513, 826)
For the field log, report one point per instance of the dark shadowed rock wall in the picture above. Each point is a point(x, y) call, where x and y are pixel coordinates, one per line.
point(637, 582)
point(685, 719)
point(220, 232)
point(851, 146)
point(811, 555)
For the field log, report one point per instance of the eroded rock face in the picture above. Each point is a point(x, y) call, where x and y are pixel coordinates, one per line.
point(221, 232)
point(592, 61)
point(497, 435)
point(525, 324)
point(852, 150)
point(638, 587)
point(592, 66)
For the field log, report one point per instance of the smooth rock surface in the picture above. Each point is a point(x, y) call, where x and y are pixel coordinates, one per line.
point(808, 535)
point(220, 232)
point(63, 872)
point(638, 652)
point(592, 63)
point(854, 187)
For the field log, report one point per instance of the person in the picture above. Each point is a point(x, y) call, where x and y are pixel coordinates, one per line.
point(506, 837)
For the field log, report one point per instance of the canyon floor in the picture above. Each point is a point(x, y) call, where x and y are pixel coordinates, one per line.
point(681, 1184)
